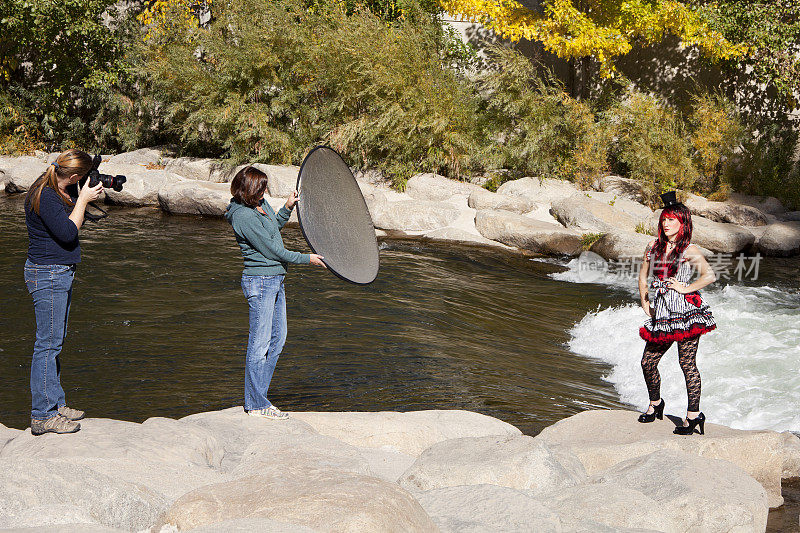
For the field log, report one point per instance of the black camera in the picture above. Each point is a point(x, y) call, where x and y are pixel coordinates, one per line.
point(108, 181)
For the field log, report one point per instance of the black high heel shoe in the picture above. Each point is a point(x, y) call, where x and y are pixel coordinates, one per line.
point(693, 423)
point(658, 412)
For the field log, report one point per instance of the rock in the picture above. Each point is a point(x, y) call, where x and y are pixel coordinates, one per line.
point(165, 456)
point(373, 196)
point(483, 508)
point(626, 245)
point(791, 455)
point(701, 494)
point(22, 172)
point(7, 434)
point(585, 214)
point(202, 169)
point(715, 236)
point(414, 215)
point(781, 239)
point(318, 499)
point(195, 197)
point(141, 186)
point(249, 525)
point(594, 506)
point(454, 234)
point(638, 212)
point(523, 232)
point(546, 191)
point(766, 204)
point(623, 188)
point(434, 187)
point(601, 439)
point(409, 433)
point(66, 528)
point(85, 494)
point(743, 215)
point(159, 155)
point(369, 176)
point(483, 199)
point(281, 179)
point(517, 462)
point(621, 245)
point(793, 216)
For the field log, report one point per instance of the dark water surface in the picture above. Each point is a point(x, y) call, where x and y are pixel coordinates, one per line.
point(158, 327)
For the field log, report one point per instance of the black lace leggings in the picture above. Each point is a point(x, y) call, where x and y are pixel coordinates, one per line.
point(687, 353)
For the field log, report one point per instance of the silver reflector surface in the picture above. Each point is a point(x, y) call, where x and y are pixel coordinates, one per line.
point(334, 217)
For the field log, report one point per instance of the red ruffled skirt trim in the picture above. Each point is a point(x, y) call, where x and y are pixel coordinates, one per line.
point(674, 335)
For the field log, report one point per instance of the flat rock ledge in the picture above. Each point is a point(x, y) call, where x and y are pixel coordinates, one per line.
point(528, 215)
point(425, 471)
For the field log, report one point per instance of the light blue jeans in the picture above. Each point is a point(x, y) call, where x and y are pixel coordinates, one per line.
point(267, 300)
point(51, 289)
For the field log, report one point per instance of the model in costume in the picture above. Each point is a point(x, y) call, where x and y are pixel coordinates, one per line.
point(677, 312)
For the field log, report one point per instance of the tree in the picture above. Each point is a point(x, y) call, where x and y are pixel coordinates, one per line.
point(600, 29)
point(55, 60)
point(771, 30)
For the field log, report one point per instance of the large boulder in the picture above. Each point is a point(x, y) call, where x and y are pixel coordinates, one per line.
point(793, 216)
point(459, 235)
point(766, 204)
point(281, 179)
point(194, 197)
point(21, 172)
point(479, 508)
point(517, 230)
point(742, 215)
point(637, 211)
point(517, 462)
point(623, 188)
point(167, 457)
point(156, 156)
point(409, 433)
point(249, 525)
point(544, 191)
point(601, 439)
point(414, 215)
point(141, 186)
point(42, 492)
point(791, 455)
point(621, 245)
point(435, 188)
point(780, 239)
point(585, 214)
point(715, 236)
point(323, 500)
point(595, 506)
point(197, 168)
point(480, 198)
point(701, 494)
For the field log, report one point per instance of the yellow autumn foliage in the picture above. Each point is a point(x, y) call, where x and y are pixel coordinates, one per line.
point(164, 17)
point(602, 29)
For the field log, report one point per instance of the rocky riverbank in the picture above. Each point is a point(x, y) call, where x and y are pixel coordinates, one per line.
point(449, 471)
point(550, 216)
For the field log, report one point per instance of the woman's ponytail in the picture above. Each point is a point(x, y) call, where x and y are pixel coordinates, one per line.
point(66, 164)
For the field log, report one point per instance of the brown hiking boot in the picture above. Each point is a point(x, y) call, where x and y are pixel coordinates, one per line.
point(69, 412)
point(54, 424)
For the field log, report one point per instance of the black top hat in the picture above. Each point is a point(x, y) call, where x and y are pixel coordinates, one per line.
point(670, 199)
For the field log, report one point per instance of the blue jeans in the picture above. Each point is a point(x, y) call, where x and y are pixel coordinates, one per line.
point(267, 301)
point(51, 289)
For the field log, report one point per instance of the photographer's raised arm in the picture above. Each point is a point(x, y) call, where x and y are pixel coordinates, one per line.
point(87, 194)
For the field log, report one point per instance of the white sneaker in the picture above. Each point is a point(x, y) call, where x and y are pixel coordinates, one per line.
point(272, 412)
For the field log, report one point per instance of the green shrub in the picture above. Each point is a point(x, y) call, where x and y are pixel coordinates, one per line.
point(651, 145)
point(266, 81)
point(536, 127)
point(588, 239)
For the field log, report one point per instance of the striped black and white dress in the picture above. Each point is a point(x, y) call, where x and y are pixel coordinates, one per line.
point(676, 316)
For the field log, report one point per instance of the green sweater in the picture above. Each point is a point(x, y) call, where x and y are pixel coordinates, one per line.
point(259, 238)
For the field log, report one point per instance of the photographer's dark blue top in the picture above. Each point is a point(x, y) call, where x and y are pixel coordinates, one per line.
point(52, 236)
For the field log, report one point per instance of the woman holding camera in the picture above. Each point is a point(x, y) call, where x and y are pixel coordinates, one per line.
point(54, 217)
point(257, 229)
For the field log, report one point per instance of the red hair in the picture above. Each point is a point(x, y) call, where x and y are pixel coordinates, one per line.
point(668, 266)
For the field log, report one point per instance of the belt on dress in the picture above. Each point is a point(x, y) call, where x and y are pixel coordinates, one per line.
point(660, 286)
